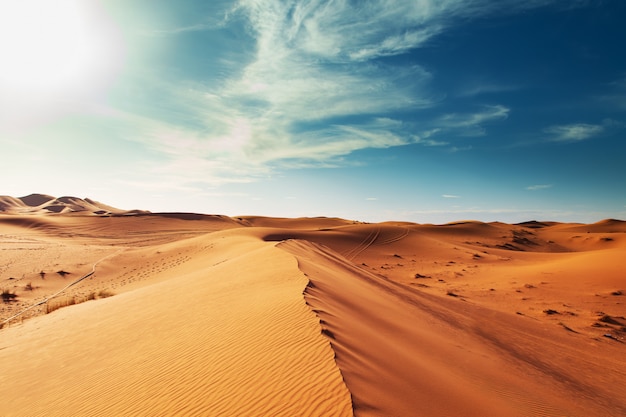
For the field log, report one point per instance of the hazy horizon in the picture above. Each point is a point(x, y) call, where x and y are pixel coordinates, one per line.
point(37, 204)
point(428, 112)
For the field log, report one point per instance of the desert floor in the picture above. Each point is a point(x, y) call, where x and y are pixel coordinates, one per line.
point(182, 314)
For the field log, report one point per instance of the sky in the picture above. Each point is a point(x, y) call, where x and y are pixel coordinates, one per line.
point(428, 111)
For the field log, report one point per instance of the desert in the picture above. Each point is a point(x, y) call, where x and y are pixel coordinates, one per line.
point(260, 208)
point(111, 312)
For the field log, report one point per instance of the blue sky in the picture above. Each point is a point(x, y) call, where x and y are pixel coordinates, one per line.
point(429, 111)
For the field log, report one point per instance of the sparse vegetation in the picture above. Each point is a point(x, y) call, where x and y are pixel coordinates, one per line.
point(29, 287)
point(610, 320)
point(569, 329)
point(8, 296)
point(105, 294)
point(63, 273)
point(58, 303)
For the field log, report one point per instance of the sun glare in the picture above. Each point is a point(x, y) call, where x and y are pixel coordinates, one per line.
point(54, 47)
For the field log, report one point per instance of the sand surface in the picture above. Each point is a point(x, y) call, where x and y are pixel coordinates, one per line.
point(116, 313)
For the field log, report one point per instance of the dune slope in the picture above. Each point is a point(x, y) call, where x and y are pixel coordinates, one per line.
point(407, 353)
point(227, 334)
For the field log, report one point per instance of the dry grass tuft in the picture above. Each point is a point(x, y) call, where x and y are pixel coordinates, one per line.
point(105, 294)
point(58, 303)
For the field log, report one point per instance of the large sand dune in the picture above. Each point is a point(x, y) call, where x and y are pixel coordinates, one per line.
point(188, 314)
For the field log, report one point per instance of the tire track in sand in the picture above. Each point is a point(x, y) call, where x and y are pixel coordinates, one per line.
point(366, 243)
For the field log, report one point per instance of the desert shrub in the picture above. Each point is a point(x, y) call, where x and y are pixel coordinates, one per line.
point(63, 273)
point(58, 303)
point(8, 296)
point(105, 294)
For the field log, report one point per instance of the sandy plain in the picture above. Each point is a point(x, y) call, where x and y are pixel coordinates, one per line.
point(114, 313)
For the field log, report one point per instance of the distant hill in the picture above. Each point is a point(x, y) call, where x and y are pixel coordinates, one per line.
point(46, 204)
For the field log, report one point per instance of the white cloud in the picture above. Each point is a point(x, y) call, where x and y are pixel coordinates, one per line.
point(312, 90)
point(538, 187)
point(472, 124)
point(616, 94)
point(573, 132)
point(496, 112)
point(455, 149)
point(487, 88)
point(450, 196)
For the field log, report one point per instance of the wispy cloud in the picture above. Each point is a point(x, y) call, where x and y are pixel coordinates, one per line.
point(312, 88)
point(450, 196)
point(538, 187)
point(477, 89)
point(573, 132)
point(615, 96)
point(472, 124)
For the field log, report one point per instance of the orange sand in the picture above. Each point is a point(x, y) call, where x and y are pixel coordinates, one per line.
point(209, 315)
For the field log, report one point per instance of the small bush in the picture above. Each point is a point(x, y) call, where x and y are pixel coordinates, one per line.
point(59, 303)
point(105, 294)
point(8, 296)
point(56, 304)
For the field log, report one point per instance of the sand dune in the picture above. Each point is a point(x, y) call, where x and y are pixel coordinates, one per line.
point(228, 333)
point(191, 314)
point(404, 352)
point(46, 204)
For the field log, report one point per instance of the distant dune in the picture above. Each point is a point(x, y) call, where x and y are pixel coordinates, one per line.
point(45, 204)
point(131, 313)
